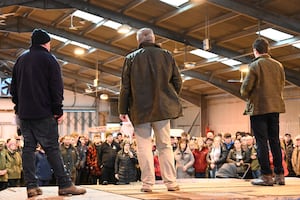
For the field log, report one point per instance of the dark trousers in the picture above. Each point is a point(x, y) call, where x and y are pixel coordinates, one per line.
point(44, 132)
point(108, 174)
point(266, 131)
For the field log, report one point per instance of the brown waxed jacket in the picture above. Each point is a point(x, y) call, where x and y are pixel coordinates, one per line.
point(263, 86)
point(151, 83)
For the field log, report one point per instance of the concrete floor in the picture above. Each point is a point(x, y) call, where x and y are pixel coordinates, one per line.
point(191, 189)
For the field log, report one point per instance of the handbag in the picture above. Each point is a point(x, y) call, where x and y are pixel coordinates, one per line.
point(190, 171)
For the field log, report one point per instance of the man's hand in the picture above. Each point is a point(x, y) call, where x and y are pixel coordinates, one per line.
point(59, 118)
point(123, 117)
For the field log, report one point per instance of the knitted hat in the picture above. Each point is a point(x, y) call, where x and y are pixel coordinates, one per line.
point(39, 36)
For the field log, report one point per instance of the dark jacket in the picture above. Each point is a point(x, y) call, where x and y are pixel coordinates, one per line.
point(107, 154)
point(37, 86)
point(125, 167)
point(150, 86)
point(263, 86)
point(43, 168)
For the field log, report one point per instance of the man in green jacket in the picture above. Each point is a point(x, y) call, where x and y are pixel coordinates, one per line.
point(263, 87)
point(151, 83)
point(3, 170)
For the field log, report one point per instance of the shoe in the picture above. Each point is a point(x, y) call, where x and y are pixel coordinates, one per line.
point(264, 180)
point(173, 189)
point(34, 192)
point(146, 190)
point(279, 179)
point(72, 190)
point(104, 183)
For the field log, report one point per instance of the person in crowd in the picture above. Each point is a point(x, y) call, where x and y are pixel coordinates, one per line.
point(3, 169)
point(150, 85)
point(254, 166)
point(125, 170)
point(119, 138)
point(200, 154)
point(185, 136)
point(288, 147)
point(157, 171)
point(82, 168)
point(13, 163)
point(184, 160)
point(296, 156)
point(107, 156)
point(210, 135)
point(235, 166)
point(216, 156)
point(209, 142)
point(174, 142)
point(228, 141)
point(192, 143)
point(43, 168)
point(41, 86)
point(70, 156)
point(284, 164)
point(92, 159)
point(263, 88)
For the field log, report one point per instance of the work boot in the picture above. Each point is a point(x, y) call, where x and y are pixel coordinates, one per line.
point(173, 189)
point(279, 179)
point(32, 192)
point(72, 190)
point(264, 180)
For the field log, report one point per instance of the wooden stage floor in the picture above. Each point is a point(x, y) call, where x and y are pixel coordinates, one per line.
point(191, 189)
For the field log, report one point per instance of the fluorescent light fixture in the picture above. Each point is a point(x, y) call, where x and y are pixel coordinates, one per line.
point(124, 29)
point(297, 45)
point(203, 54)
point(79, 51)
point(230, 62)
point(80, 45)
point(185, 77)
point(56, 37)
point(87, 16)
point(112, 24)
point(175, 3)
point(274, 34)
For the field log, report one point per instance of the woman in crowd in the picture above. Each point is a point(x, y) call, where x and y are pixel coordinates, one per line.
point(184, 159)
point(43, 169)
point(13, 164)
point(296, 156)
point(92, 160)
point(200, 163)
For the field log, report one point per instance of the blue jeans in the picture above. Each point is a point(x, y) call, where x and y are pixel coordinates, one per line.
point(45, 132)
point(266, 131)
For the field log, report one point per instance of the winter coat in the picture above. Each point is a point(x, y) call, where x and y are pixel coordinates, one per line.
point(296, 160)
point(200, 163)
point(3, 161)
point(125, 167)
point(263, 86)
point(37, 81)
point(13, 165)
point(70, 157)
point(43, 168)
point(107, 154)
point(151, 83)
point(221, 160)
point(92, 160)
point(184, 159)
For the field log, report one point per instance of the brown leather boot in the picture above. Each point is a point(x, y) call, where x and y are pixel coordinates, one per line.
point(279, 179)
point(32, 192)
point(264, 180)
point(72, 190)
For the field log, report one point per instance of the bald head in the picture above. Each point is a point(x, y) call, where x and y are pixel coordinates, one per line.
point(145, 35)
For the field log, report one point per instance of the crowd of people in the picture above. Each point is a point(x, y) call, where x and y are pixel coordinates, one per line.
point(114, 160)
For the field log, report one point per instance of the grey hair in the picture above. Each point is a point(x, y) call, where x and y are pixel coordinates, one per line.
point(145, 35)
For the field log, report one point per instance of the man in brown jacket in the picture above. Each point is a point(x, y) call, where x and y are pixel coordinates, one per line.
point(151, 83)
point(263, 87)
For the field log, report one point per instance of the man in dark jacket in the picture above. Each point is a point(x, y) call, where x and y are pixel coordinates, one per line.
point(263, 87)
point(37, 92)
point(151, 83)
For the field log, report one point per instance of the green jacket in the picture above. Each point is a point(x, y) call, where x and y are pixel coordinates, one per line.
point(151, 84)
point(263, 86)
point(4, 177)
point(13, 165)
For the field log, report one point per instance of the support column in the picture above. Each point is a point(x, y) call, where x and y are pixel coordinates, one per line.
point(204, 115)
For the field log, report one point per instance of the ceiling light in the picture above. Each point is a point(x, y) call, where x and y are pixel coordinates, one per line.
point(175, 3)
point(274, 34)
point(80, 44)
point(87, 16)
point(230, 62)
point(112, 24)
point(104, 96)
point(56, 37)
point(124, 29)
point(79, 51)
point(297, 45)
point(203, 54)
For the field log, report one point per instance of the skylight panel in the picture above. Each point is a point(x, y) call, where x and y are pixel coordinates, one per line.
point(56, 37)
point(80, 45)
point(203, 54)
point(297, 45)
point(112, 24)
point(87, 16)
point(230, 62)
point(274, 34)
point(175, 3)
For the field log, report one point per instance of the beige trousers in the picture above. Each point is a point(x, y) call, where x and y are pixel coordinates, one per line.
point(165, 153)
